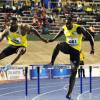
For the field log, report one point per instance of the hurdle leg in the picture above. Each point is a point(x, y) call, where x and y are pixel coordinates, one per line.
point(81, 82)
point(38, 80)
point(90, 83)
point(26, 83)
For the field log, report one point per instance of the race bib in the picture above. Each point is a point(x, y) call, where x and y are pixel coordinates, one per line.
point(16, 40)
point(72, 41)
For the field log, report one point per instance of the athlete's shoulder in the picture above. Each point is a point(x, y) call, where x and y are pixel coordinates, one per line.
point(64, 26)
point(26, 27)
point(7, 29)
point(77, 25)
point(81, 28)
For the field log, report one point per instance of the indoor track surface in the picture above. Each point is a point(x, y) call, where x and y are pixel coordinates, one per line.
point(51, 89)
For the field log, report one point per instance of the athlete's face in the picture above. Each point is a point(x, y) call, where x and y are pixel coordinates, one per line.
point(69, 24)
point(14, 25)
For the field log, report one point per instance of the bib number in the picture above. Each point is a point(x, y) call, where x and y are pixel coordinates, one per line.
point(16, 40)
point(73, 41)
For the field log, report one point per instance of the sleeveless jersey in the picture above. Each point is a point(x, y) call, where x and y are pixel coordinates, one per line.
point(72, 37)
point(17, 39)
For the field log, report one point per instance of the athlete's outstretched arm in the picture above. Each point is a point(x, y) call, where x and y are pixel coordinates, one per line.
point(88, 36)
point(3, 34)
point(34, 31)
point(59, 34)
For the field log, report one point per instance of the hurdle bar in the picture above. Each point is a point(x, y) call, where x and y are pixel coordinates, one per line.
point(81, 81)
point(26, 83)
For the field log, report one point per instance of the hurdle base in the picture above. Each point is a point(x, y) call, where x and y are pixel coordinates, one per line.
point(90, 96)
point(25, 97)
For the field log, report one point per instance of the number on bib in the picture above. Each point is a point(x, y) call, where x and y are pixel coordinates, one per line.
point(73, 41)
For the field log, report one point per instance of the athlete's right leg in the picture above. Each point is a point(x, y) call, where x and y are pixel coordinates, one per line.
point(20, 52)
point(75, 59)
point(72, 81)
point(63, 47)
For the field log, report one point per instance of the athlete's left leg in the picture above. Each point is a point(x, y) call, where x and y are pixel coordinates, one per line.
point(63, 47)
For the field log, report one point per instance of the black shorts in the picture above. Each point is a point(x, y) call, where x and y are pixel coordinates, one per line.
point(11, 50)
point(74, 54)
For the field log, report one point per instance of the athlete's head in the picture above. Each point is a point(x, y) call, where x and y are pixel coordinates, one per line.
point(14, 24)
point(69, 22)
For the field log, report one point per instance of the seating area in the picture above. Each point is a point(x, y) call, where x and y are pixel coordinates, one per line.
point(59, 21)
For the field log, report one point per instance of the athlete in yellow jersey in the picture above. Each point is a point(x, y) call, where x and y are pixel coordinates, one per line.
point(16, 35)
point(72, 45)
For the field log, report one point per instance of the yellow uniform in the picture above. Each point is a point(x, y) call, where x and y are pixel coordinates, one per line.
point(17, 39)
point(82, 56)
point(72, 37)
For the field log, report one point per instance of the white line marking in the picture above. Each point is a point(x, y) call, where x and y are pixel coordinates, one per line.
point(79, 96)
point(23, 90)
point(29, 85)
point(38, 96)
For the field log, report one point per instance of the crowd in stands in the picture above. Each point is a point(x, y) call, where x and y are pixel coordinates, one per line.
point(42, 19)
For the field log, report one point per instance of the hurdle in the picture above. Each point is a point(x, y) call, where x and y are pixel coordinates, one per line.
point(90, 82)
point(90, 71)
point(38, 79)
point(38, 75)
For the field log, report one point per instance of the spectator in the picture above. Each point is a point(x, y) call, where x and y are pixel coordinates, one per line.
point(81, 20)
point(50, 18)
point(89, 10)
point(45, 26)
point(7, 18)
point(92, 30)
point(32, 3)
point(98, 16)
point(42, 3)
point(19, 11)
point(79, 7)
point(35, 20)
point(53, 4)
